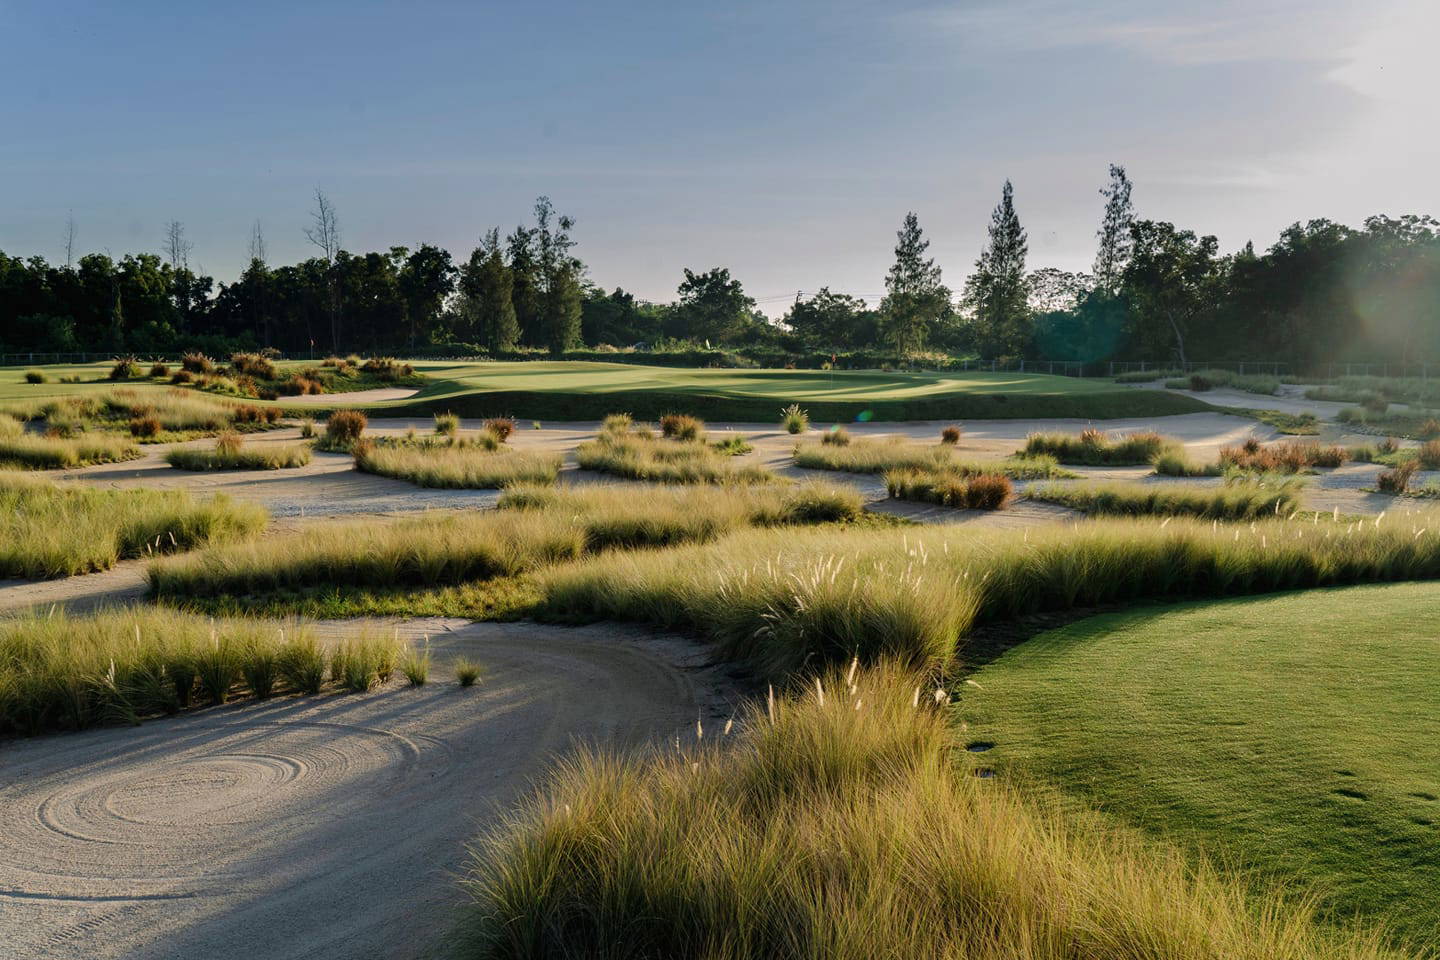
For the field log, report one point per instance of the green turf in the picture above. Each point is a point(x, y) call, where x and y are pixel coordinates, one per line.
point(1294, 735)
point(580, 390)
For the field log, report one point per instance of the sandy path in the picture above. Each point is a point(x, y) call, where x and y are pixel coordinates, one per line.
point(122, 583)
point(323, 826)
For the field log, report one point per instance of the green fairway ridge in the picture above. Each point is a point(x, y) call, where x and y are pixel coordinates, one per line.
point(1293, 735)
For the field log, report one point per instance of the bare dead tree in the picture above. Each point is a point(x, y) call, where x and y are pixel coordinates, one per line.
point(177, 248)
point(324, 233)
point(70, 233)
point(257, 242)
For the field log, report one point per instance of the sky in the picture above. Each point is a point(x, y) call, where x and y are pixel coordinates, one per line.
point(783, 140)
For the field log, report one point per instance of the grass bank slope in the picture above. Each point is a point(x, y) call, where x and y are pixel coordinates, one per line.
point(1294, 735)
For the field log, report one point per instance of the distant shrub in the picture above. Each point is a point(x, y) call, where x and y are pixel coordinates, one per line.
point(502, 427)
point(1397, 479)
point(182, 376)
point(126, 368)
point(197, 363)
point(838, 437)
point(387, 368)
point(35, 376)
point(249, 413)
point(1428, 455)
point(1430, 429)
point(616, 423)
point(1199, 383)
point(1375, 403)
point(159, 371)
point(447, 424)
point(794, 420)
point(950, 435)
point(145, 426)
point(986, 491)
point(253, 365)
point(344, 427)
point(680, 426)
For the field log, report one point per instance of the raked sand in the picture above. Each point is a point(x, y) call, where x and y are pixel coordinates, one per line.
point(328, 826)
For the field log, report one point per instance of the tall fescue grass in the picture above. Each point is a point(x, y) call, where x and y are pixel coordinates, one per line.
point(1174, 463)
point(1289, 456)
point(639, 456)
point(49, 530)
point(781, 601)
point(535, 527)
point(881, 456)
point(1237, 501)
point(1094, 448)
point(59, 672)
point(457, 465)
point(841, 824)
point(32, 451)
point(612, 518)
point(229, 453)
point(983, 491)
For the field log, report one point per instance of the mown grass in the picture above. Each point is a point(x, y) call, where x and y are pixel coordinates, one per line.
point(781, 602)
point(1234, 501)
point(234, 456)
point(1094, 448)
point(534, 528)
point(1293, 736)
point(839, 824)
point(457, 465)
point(882, 456)
point(121, 666)
point(49, 530)
point(640, 456)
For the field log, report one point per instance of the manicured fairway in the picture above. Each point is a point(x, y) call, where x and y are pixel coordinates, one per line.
point(1296, 735)
point(581, 390)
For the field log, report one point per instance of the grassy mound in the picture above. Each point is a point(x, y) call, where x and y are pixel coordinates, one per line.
point(457, 465)
point(55, 531)
point(979, 491)
point(1236, 501)
point(1093, 448)
point(236, 457)
point(881, 456)
point(781, 602)
point(68, 673)
point(1290, 735)
point(638, 455)
point(838, 825)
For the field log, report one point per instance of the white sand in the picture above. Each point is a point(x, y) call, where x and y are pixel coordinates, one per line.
point(316, 826)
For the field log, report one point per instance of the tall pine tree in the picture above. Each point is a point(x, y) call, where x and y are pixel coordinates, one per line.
point(560, 294)
point(915, 298)
point(525, 285)
point(1114, 233)
point(487, 286)
point(998, 293)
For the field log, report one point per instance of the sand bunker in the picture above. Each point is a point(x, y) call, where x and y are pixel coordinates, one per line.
point(320, 826)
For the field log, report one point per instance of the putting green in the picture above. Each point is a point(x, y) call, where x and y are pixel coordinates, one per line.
point(1296, 735)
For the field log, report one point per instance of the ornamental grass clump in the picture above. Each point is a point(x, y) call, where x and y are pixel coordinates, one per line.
point(896, 453)
point(1092, 447)
point(679, 426)
point(794, 420)
point(343, 429)
point(468, 463)
point(982, 491)
point(1236, 501)
point(639, 456)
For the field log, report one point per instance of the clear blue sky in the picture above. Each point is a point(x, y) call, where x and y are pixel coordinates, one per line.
point(785, 140)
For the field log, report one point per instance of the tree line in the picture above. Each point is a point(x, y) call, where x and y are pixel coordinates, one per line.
point(1156, 292)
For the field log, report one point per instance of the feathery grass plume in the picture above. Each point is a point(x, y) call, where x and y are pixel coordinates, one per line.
point(1093, 448)
point(447, 424)
point(57, 530)
point(794, 420)
point(823, 830)
point(467, 671)
point(639, 457)
point(415, 664)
